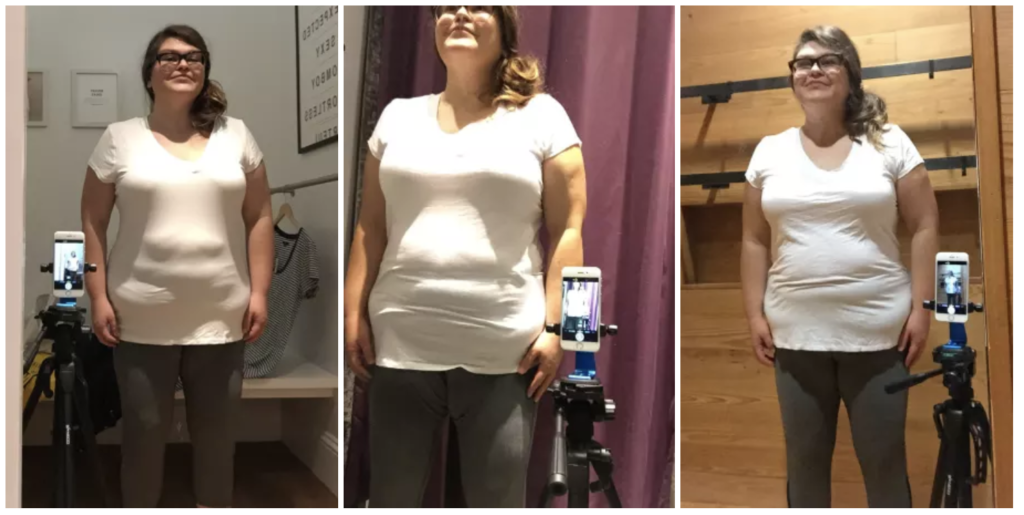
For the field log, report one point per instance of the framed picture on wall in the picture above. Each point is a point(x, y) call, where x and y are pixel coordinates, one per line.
point(316, 75)
point(93, 98)
point(36, 103)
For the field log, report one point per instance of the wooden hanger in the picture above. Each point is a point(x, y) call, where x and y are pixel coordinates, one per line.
point(286, 212)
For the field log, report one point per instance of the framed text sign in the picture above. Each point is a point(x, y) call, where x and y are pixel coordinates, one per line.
point(94, 98)
point(316, 48)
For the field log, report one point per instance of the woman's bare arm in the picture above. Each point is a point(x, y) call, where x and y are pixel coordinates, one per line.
point(920, 212)
point(259, 229)
point(97, 205)
point(754, 254)
point(565, 207)
point(369, 240)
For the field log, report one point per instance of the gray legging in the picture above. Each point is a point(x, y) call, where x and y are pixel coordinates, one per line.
point(493, 418)
point(810, 385)
point(212, 380)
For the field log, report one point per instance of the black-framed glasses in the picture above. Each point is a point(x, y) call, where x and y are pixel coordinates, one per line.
point(474, 10)
point(825, 62)
point(194, 59)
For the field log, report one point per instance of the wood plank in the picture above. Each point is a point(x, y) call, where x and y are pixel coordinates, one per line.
point(993, 218)
point(758, 27)
point(1004, 45)
point(684, 239)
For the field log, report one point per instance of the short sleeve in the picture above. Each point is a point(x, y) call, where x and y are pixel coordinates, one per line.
point(901, 156)
point(558, 133)
point(103, 160)
point(252, 156)
point(759, 163)
point(378, 141)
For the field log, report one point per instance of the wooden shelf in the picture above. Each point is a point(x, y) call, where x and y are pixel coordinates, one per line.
point(942, 180)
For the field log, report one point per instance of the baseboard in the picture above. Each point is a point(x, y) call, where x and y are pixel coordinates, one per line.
point(325, 461)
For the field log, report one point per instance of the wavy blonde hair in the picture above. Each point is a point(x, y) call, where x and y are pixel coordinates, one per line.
point(517, 77)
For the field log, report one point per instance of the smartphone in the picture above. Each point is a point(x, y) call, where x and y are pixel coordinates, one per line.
point(68, 264)
point(951, 283)
point(581, 309)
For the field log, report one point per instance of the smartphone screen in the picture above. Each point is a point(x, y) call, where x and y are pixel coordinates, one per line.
point(68, 265)
point(581, 309)
point(951, 286)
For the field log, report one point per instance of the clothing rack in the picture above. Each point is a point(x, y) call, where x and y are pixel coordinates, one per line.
point(724, 179)
point(290, 188)
point(722, 92)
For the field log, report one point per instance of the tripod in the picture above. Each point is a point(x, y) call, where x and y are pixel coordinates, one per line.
point(579, 403)
point(64, 324)
point(958, 420)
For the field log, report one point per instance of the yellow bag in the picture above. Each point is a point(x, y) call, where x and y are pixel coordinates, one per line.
point(29, 379)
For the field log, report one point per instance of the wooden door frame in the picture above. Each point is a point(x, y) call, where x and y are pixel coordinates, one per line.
point(994, 249)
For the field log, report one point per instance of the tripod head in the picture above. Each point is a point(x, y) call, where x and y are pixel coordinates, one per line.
point(955, 359)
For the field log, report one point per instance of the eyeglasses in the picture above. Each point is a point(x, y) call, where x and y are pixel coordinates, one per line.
point(825, 62)
point(195, 59)
point(474, 10)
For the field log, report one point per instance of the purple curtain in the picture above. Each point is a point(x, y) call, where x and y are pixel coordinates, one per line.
point(613, 70)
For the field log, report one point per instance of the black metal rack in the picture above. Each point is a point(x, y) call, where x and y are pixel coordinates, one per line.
point(720, 180)
point(722, 92)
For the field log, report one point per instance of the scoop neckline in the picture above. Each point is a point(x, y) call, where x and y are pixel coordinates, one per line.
point(434, 106)
point(803, 152)
point(152, 137)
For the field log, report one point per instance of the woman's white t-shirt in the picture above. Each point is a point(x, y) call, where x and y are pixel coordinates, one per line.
point(836, 282)
point(461, 283)
point(178, 272)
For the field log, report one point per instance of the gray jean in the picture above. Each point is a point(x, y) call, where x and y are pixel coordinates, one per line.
point(810, 386)
point(493, 418)
point(212, 380)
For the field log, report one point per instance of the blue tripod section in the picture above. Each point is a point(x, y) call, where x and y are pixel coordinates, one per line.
point(586, 366)
point(66, 302)
point(957, 335)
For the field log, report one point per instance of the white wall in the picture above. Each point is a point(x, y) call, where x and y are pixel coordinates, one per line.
point(253, 57)
point(14, 241)
point(355, 42)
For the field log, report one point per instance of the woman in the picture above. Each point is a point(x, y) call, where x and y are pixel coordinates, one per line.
point(71, 264)
point(828, 301)
point(446, 292)
point(185, 284)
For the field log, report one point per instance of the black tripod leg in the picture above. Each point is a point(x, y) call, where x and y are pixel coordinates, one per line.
point(64, 495)
point(579, 479)
point(88, 432)
point(939, 482)
point(963, 474)
point(604, 478)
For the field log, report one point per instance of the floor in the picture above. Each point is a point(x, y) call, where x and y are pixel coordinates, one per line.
point(267, 475)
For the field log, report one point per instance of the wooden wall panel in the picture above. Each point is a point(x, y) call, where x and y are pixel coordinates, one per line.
point(732, 450)
point(1004, 53)
point(991, 182)
point(719, 45)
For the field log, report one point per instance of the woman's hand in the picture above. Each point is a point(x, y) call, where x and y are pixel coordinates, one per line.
point(761, 337)
point(255, 320)
point(915, 334)
point(359, 345)
point(104, 322)
point(547, 353)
